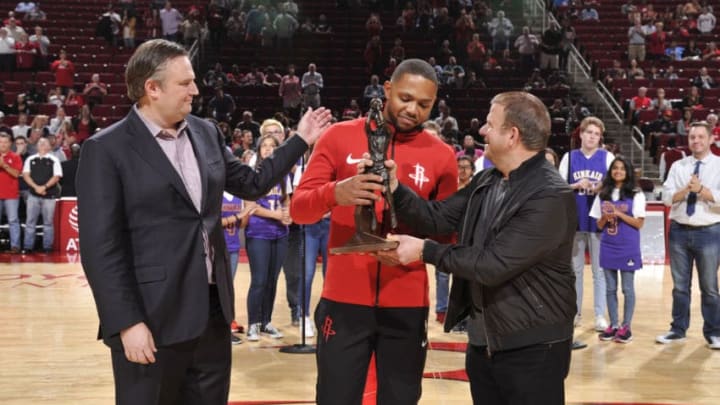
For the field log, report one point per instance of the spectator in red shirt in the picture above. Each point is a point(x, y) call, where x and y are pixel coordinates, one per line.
point(95, 90)
point(655, 43)
point(10, 168)
point(25, 53)
point(711, 51)
point(84, 124)
point(639, 103)
point(64, 72)
point(73, 99)
point(476, 53)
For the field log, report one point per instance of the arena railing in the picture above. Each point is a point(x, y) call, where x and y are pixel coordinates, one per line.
point(537, 14)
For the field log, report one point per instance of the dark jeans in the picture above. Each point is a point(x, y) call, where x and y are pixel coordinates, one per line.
point(529, 375)
point(702, 246)
point(292, 269)
point(265, 257)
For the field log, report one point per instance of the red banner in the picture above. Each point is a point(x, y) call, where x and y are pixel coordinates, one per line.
point(66, 225)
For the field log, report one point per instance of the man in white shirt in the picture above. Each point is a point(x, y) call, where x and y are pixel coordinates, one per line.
point(170, 19)
point(7, 51)
point(527, 46)
point(21, 129)
point(692, 190)
point(41, 59)
point(14, 30)
point(42, 173)
point(706, 21)
point(311, 83)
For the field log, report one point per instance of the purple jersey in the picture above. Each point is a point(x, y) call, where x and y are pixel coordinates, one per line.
point(593, 169)
point(267, 228)
point(620, 242)
point(231, 205)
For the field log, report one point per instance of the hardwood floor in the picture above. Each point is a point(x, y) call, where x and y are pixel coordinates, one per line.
point(49, 354)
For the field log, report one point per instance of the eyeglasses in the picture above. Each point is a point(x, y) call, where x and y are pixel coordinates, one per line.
point(464, 167)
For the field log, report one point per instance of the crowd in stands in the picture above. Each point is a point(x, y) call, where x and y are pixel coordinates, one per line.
point(665, 74)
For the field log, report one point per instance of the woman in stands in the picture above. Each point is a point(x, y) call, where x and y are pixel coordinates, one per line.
point(683, 125)
point(620, 213)
point(84, 124)
point(635, 71)
point(266, 244)
point(693, 99)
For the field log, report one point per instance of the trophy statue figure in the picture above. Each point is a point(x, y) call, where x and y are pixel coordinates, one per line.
point(367, 237)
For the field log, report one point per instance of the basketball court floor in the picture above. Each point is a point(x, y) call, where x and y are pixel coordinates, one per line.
point(49, 355)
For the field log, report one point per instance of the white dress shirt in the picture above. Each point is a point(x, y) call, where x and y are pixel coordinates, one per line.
point(706, 213)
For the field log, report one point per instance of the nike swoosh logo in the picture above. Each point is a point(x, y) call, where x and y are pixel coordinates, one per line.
point(351, 161)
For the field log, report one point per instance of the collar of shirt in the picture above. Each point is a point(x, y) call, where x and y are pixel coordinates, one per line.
point(155, 129)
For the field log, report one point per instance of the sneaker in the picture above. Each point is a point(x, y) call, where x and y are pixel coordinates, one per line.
point(578, 319)
point(253, 334)
point(623, 335)
point(714, 342)
point(669, 337)
point(295, 322)
point(600, 323)
point(309, 331)
point(461, 327)
point(234, 339)
point(235, 328)
point(577, 345)
point(440, 317)
point(608, 334)
point(272, 331)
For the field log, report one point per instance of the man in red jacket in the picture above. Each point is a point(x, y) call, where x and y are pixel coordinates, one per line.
point(368, 306)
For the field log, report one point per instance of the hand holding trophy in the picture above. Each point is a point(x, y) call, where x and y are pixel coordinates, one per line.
point(367, 237)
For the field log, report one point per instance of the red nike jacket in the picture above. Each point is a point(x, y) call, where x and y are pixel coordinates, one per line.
point(425, 164)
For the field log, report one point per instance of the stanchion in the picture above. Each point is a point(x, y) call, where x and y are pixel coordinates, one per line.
point(302, 347)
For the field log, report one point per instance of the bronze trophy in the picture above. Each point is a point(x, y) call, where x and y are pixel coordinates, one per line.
point(368, 236)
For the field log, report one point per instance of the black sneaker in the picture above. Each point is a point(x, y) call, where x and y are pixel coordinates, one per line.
point(235, 339)
point(461, 327)
point(608, 334)
point(623, 335)
point(669, 337)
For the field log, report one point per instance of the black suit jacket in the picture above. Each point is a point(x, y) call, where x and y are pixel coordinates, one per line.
point(141, 238)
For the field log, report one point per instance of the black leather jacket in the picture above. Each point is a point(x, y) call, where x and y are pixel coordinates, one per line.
point(512, 268)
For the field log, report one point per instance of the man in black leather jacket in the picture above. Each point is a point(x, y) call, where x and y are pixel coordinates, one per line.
point(511, 265)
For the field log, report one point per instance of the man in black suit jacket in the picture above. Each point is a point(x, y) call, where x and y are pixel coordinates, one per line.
point(149, 196)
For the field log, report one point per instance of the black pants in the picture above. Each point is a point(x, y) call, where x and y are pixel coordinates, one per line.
point(196, 372)
point(292, 266)
point(532, 375)
point(348, 335)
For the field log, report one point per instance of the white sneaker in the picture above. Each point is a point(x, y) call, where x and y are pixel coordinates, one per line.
point(600, 323)
point(272, 331)
point(714, 342)
point(253, 334)
point(309, 330)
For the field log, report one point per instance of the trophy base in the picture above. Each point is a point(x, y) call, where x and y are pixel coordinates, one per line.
point(363, 242)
